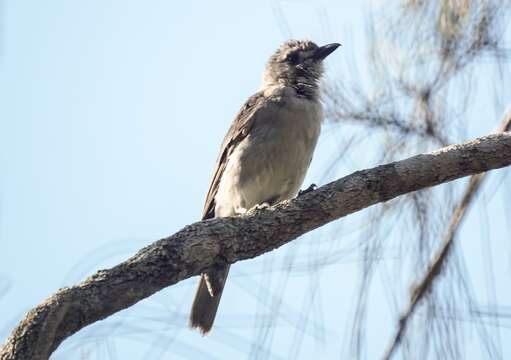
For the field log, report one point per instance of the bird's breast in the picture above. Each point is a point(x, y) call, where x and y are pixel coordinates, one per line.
point(269, 165)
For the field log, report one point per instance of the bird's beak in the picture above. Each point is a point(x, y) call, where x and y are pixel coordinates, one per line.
point(325, 50)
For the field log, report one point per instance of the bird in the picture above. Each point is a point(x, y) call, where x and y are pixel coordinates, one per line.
point(266, 152)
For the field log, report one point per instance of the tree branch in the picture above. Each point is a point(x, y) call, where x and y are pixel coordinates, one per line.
point(437, 264)
point(202, 244)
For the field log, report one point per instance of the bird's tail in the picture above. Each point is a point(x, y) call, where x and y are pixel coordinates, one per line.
point(207, 298)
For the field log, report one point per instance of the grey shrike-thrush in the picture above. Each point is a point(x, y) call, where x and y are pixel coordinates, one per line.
point(266, 152)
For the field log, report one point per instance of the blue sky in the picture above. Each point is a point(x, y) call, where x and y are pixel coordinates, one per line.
point(111, 114)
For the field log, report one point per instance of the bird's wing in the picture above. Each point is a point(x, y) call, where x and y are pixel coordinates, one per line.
point(237, 132)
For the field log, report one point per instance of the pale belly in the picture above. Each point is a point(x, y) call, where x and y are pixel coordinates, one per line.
point(269, 165)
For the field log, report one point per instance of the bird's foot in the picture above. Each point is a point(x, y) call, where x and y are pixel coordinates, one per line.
point(261, 206)
point(311, 188)
point(241, 210)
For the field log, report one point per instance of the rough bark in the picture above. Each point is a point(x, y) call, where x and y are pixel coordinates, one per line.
point(200, 245)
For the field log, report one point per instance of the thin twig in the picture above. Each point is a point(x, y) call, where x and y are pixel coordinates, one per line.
point(437, 264)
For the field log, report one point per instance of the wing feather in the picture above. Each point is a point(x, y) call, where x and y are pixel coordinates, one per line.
point(237, 132)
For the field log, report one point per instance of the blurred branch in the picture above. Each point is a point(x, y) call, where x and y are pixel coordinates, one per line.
point(427, 73)
point(437, 264)
point(203, 245)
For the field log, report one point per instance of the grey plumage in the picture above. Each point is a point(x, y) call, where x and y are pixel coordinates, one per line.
point(266, 153)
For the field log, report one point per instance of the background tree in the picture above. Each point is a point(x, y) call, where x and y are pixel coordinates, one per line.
point(423, 78)
point(430, 65)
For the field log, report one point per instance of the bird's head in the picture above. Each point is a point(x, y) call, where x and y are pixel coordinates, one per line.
point(297, 63)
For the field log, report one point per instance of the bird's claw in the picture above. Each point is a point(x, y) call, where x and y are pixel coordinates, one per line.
point(261, 206)
point(311, 188)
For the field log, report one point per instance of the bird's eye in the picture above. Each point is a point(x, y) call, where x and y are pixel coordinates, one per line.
point(292, 58)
